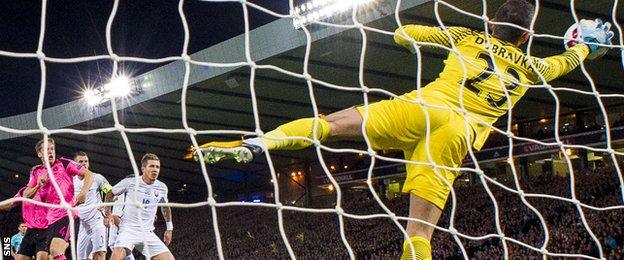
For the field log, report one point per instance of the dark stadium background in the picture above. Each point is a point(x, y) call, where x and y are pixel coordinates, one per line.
point(150, 29)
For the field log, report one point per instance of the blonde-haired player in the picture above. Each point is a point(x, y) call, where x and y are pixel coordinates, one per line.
point(400, 124)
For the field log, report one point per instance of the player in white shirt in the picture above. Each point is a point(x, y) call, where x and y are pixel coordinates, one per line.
point(92, 230)
point(137, 223)
point(115, 220)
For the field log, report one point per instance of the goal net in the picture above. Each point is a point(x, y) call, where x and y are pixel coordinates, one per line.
point(547, 183)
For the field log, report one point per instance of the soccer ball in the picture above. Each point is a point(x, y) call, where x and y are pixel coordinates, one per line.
point(573, 36)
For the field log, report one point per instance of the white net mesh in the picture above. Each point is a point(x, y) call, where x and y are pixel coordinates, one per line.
point(508, 192)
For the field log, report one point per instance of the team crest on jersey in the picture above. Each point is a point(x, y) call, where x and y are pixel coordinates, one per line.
point(156, 193)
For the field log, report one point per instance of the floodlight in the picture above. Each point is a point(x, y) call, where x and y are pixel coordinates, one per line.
point(317, 10)
point(92, 97)
point(118, 87)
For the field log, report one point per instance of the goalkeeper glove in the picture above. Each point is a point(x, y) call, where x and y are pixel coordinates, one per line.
point(593, 33)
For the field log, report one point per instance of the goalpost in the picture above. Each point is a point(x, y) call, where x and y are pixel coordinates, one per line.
point(311, 13)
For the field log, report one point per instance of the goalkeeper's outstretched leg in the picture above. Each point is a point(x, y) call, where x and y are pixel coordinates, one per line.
point(436, 135)
point(345, 124)
point(388, 127)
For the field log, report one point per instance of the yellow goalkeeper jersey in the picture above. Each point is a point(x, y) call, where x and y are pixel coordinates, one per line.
point(486, 77)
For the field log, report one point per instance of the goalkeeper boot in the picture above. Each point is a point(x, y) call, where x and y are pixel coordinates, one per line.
point(191, 152)
point(233, 150)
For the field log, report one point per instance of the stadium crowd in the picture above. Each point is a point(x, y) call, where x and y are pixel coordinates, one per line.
point(252, 232)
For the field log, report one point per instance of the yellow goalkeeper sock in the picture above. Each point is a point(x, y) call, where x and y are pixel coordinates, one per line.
point(421, 246)
point(298, 128)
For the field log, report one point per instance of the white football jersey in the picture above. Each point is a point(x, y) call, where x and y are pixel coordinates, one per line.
point(113, 230)
point(118, 209)
point(93, 196)
point(140, 217)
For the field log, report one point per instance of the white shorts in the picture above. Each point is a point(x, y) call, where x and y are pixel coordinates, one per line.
point(113, 232)
point(147, 242)
point(91, 237)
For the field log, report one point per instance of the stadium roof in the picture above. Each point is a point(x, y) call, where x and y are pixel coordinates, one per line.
point(219, 98)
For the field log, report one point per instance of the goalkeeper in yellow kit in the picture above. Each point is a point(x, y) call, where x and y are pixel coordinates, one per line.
point(400, 123)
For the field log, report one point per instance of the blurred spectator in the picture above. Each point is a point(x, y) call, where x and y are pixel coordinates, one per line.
point(252, 232)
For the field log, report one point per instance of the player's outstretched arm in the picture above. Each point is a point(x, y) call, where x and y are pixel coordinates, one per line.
point(558, 65)
point(7, 207)
point(422, 33)
point(88, 180)
point(593, 34)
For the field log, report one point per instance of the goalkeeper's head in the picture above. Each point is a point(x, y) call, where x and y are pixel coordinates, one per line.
point(518, 12)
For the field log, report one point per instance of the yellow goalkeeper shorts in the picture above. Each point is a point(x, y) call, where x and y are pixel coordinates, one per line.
point(397, 124)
